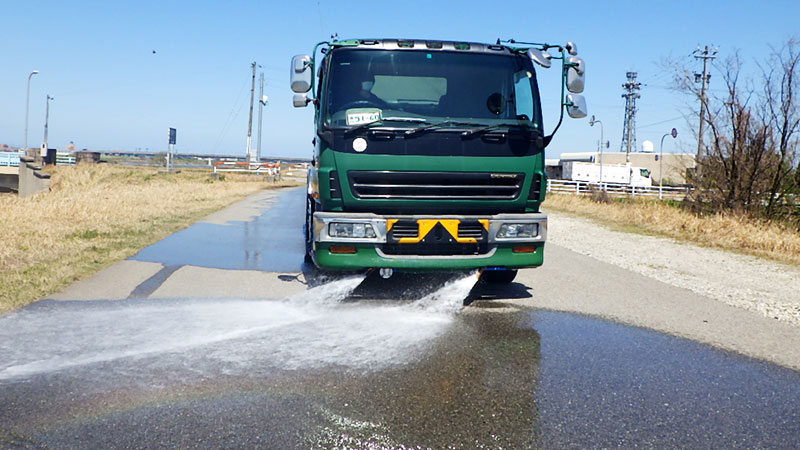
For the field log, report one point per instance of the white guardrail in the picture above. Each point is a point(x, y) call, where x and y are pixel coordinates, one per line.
point(616, 190)
point(245, 167)
point(11, 159)
point(65, 159)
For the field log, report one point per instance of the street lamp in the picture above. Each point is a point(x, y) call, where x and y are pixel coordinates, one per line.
point(674, 134)
point(593, 121)
point(46, 120)
point(262, 101)
point(27, 101)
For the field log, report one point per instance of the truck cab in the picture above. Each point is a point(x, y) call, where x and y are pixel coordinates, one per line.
point(428, 155)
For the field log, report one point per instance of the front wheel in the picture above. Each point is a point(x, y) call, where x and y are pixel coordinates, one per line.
point(308, 232)
point(498, 276)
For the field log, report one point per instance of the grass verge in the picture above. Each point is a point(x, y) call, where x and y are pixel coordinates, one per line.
point(724, 231)
point(98, 214)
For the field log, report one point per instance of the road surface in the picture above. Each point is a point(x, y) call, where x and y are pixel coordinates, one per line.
point(213, 339)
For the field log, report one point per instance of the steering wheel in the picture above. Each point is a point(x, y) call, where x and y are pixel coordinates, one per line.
point(361, 104)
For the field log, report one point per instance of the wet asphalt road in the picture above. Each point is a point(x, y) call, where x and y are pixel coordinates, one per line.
point(307, 371)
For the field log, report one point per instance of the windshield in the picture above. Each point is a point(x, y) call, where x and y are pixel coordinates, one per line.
point(366, 86)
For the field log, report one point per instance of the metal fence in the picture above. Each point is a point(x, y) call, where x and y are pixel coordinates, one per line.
point(65, 159)
point(616, 190)
point(9, 159)
point(246, 167)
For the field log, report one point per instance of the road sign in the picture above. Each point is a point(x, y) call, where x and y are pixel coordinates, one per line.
point(172, 135)
point(674, 132)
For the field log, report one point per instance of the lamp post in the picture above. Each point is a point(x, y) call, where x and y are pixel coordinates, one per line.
point(593, 121)
point(27, 102)
point(674, 134)
point(46, 120)
point(262, 101)
point(43, 151)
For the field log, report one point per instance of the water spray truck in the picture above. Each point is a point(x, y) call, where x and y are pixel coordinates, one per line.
point(429, 155)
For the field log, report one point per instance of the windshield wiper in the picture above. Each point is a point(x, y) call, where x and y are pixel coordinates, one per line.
point(433, 126)
point(475, 131)
point(386, 119)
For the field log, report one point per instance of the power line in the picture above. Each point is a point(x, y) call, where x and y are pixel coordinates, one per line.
point(659, 123)
point(232, 115)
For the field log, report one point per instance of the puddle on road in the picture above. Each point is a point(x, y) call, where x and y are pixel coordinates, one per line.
point(318, 371)
point(312, 329)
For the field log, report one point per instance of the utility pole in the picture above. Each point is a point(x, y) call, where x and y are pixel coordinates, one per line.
point(261, 103)
point(250, 156)
point(705, 54)
point(631, 88)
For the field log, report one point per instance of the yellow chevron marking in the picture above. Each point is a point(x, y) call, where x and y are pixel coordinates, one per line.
point(390, 223)
point(451, 225)
point(426, 225)
point(485, 223)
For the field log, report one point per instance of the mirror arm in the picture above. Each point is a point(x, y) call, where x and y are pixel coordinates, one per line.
point(563, 59)
point(313, 65)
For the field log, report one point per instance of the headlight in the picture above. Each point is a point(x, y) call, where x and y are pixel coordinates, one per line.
point(351, 230)
point(517, 230)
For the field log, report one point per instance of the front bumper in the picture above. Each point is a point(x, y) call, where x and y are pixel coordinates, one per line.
point(383, 249)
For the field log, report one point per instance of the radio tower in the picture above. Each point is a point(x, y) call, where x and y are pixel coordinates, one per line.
point(631, 88)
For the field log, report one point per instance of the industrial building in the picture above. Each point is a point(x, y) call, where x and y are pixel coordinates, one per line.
point(675, 165)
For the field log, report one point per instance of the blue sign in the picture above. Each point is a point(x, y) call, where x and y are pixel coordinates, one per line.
point(173, 133)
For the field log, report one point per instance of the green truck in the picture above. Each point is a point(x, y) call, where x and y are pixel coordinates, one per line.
point(429, 155)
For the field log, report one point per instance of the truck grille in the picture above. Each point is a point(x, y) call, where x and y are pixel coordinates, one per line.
point(470, 230)
point(405, 230)
point(366, 184)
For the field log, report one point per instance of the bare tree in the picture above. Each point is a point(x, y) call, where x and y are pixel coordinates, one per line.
point(750, 154)
point(782, 115)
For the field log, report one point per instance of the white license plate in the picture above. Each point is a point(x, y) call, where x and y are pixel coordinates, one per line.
point(363, 117)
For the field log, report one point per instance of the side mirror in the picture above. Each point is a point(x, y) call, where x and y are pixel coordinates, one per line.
point(571, 48)
point(540, 57)
point(300, 74)
point(301, 100)
point(575, 74)
point(576, 106)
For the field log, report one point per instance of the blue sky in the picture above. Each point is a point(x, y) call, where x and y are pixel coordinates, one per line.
point(112, 92)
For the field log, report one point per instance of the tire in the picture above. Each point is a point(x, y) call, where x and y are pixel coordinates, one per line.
point(498, 276)
point(308, 236)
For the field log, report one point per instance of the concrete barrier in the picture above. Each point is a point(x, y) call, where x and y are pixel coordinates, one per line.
point(31, 178)
point(9, 179)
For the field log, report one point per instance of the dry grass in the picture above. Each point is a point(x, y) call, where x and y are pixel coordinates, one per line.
point(729, 232)
point(99, 214)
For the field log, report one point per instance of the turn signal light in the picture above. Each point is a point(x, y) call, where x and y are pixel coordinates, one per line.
point(342, 249)
point(523, 249)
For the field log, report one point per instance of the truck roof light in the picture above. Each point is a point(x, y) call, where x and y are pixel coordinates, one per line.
point(434, 44)
point(405, 44)
point(461, 46)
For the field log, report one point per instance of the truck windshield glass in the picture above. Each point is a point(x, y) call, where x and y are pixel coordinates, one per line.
point(477, 88)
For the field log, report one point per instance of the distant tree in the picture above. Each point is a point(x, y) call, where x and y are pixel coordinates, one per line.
point(749, 160)
point(159, 159)
point(781, 112)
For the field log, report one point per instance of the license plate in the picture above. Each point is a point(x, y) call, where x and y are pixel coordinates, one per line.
point(363, 117)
